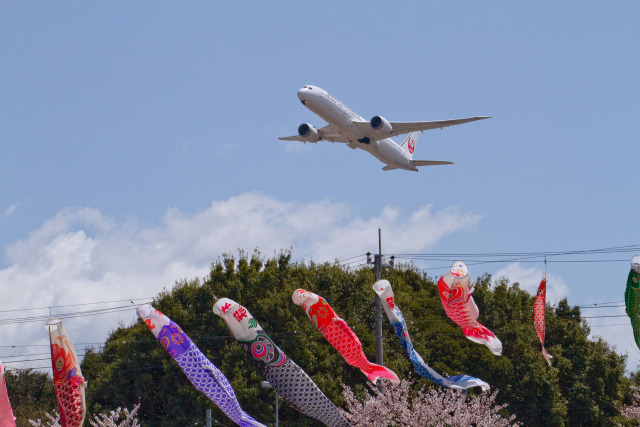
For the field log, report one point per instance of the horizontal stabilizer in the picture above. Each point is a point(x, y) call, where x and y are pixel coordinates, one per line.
point(429, 162)
point(389, 167)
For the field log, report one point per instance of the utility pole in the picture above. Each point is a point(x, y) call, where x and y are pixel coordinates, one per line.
point(377, 267)
point(378, 272)
point(267, 384)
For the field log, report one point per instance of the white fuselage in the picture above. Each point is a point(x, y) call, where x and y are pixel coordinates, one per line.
point(341, 119)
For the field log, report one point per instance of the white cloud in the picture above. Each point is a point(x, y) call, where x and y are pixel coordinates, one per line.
point(616, 331)
point(82, 256)
point(529, 279)
point(10, 210)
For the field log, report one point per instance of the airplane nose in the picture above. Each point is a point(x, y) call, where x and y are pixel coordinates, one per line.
point(303, 92)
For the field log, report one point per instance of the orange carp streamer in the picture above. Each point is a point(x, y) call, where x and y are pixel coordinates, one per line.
point(538, 316)
point(455, 295)
point(339, 335)
point(67, 377)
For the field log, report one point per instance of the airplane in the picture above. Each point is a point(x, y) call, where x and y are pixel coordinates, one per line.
point(373, 136)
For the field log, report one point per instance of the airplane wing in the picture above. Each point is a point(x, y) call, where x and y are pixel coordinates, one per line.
point(326, 133)
point(292, 138)
point(429, 162)
point(419, 163)
point(400, 128)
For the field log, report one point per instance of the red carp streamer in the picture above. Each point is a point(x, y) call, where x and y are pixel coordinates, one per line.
point(455, 295)
point(538, 316)
point(339, 335)
point(67, 377)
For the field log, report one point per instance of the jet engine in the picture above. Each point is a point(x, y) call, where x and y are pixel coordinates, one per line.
point(308, 132)
point(381, 124)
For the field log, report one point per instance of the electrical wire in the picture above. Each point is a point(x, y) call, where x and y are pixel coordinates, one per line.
point(508, 257)
point(43, 318)
point(74, 305)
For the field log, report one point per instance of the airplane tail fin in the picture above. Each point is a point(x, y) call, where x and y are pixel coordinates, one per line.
point(409, 143)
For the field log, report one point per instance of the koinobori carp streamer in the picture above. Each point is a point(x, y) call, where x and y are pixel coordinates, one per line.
point(285, 376)
point(67, 376)
point(455, 295)
point(201, 372)
point(538, 315)
point(632, 297)
point(339, 335)
point(399, 324)
point(6, 413)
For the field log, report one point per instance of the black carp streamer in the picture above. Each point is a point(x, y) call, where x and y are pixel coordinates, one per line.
point(288, 379)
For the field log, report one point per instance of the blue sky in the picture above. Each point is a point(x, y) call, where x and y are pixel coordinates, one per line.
point(139, 144)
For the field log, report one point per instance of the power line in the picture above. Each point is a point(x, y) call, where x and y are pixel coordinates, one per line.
point(507, 257)
point(615, 249)
point(45, 317)
point(74, 305)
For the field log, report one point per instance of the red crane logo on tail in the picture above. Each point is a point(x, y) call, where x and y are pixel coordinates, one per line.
point(411, 145)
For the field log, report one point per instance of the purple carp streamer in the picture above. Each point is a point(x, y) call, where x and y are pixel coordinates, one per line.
point(288, 379)
point(6, 414)
point(458, 382)
point(201, 372)
point(67, 377)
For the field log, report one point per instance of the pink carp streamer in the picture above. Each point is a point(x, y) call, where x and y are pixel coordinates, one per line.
point(339, 335)
point(538, 316)
point(67, 377)
point(455, 294)
point(6, 414)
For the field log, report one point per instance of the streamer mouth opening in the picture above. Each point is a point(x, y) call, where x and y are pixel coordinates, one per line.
point(300, 296)
point(459, 269)
point(381, 285)
point(143, 311)
point(52, 324)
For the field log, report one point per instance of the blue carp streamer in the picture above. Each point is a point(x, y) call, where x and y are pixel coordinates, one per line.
point(201, 372)
point(458, 382)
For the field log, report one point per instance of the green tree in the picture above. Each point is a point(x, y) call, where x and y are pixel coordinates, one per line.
point(584, 386)
point(31, 393)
